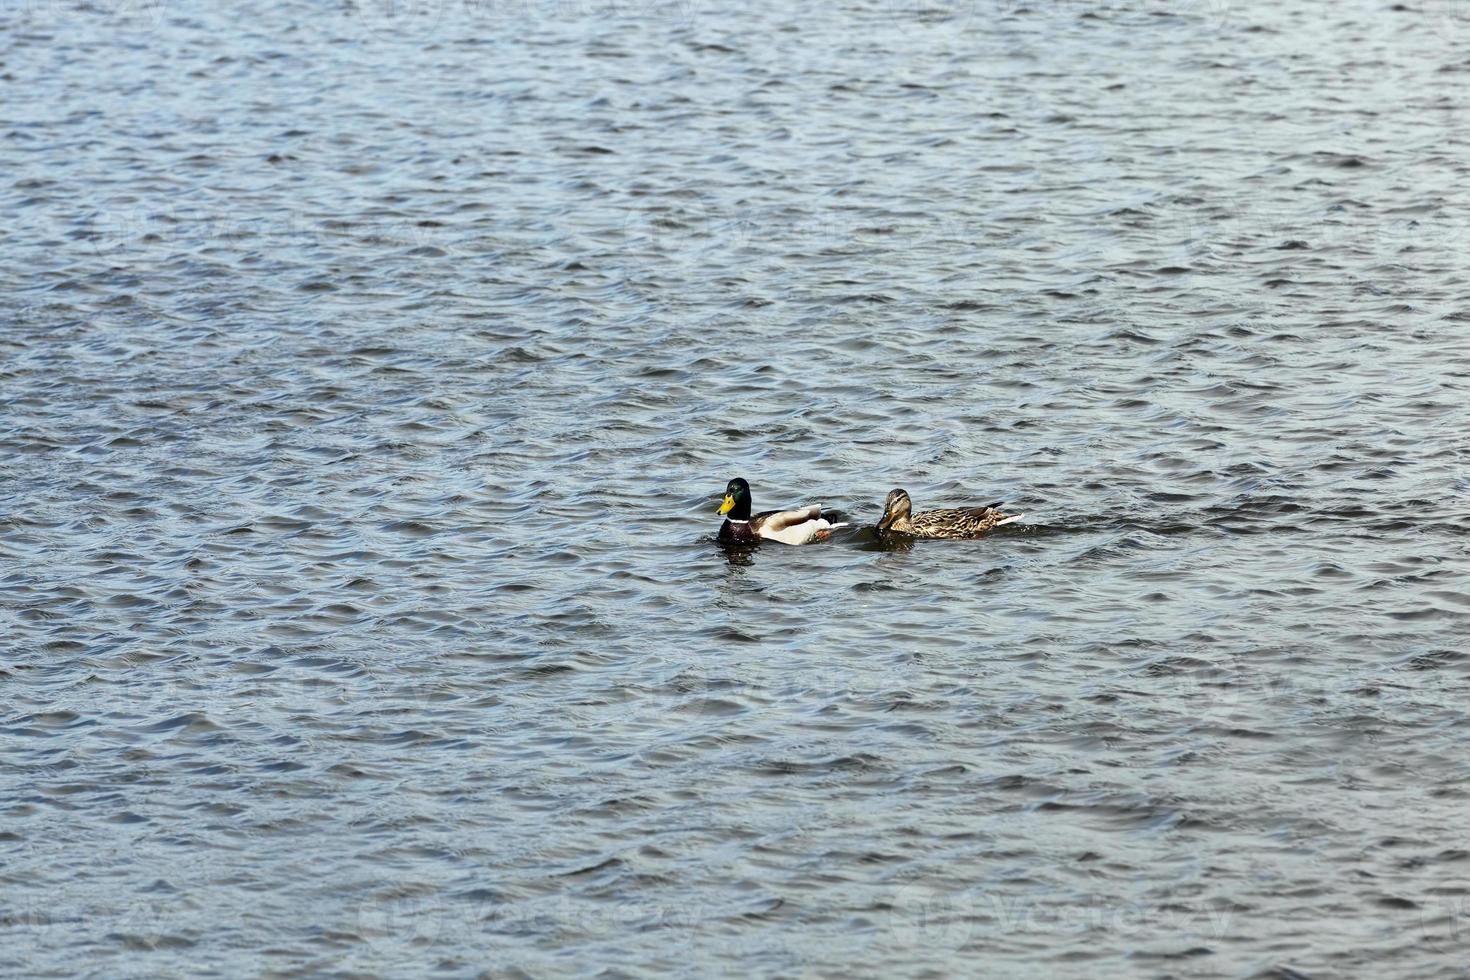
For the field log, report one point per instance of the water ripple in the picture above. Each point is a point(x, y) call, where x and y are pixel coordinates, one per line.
point(369, 371)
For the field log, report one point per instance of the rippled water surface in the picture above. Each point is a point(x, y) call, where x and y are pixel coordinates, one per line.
point(369, 375)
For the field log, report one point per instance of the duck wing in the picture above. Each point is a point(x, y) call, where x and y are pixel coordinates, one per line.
point(960, 522)
point(774, 521)
point(792, 526)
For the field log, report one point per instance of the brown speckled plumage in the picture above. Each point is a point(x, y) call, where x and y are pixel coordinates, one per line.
point(959, 522)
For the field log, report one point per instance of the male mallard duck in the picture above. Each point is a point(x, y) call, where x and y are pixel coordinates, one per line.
point(785, 526)
point(961, 522)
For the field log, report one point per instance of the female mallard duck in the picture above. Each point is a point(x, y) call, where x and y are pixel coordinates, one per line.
point(785, 526)
point(961, 522)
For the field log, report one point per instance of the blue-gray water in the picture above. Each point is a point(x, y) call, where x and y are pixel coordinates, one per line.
point(369, 376)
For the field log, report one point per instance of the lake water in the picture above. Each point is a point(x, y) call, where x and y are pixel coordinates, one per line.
point(369, 376)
